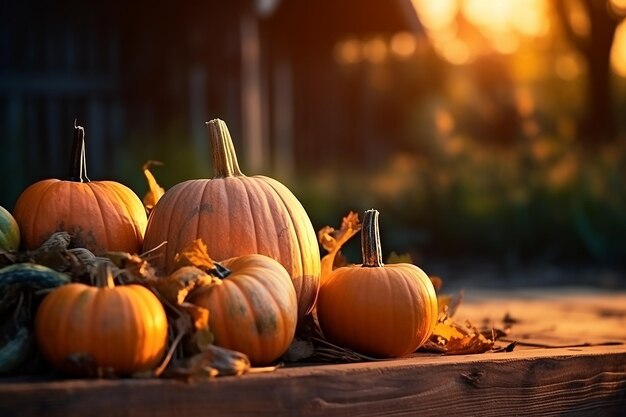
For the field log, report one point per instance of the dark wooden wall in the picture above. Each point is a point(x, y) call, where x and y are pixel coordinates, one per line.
point(130, 70)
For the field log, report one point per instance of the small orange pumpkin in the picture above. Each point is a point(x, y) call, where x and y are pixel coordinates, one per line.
point(100, 215)
point(379, 310)
point(123, 328)
point(238, 215)
point(254, 310)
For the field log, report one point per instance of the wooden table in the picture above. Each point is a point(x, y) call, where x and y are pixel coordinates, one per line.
point(584, 373)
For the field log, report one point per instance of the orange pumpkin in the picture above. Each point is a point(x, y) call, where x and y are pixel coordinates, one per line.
point(254, 310)
point(379, 310)
point(100, 215)
point(238, 215)
point(123, 328)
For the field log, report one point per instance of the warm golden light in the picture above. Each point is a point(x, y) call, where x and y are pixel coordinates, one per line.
point(568, 66)
point(455, 52)
point(579, 19)
point(618, 51)
point(618, 6)
point(436, 14)
point(487, 13)
point(375, 50)
point(507, 43)
point(348, 52)
point(524, 102)
point(403, 44)
point(500, 23)
point(444, 121)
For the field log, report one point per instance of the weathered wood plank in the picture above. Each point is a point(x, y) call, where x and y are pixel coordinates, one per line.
point(584, 381)
point(572, 381)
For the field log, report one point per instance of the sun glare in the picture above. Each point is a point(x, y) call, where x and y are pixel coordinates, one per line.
point(403, 44)
point(618, 52)
point(618, 5)
point(438, 14)
point(348, 51)
point(501, 23)
point(375, 50)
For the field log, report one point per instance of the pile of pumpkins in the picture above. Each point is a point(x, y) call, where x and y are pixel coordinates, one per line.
point(258, 230)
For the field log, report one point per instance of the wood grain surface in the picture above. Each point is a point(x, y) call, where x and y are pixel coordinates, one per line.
point(583, 381)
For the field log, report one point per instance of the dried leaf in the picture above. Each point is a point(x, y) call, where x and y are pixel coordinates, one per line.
point(453, 338)
point(475, 343)
point(509, 321)
point(446, 331)
point(131, 266)
point(199, 315)
point(56, 242)
point(155, 191)
point(84, 256)
point(211, 362)
point(448, 304)
point(194, 254)
point(175, 287)
point(52, 253)
point(332, 240)
point(200, 340)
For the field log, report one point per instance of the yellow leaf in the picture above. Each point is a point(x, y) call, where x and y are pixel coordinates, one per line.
point(199, 315)
point(404, 258)
point(155, 191)
point(332, 240)
point(449, 304)
point(447, 331)
point(453, 338)
point(194, 254)
point(175, 287)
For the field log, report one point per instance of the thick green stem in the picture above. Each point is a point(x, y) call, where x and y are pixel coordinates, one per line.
point(370, 240)
point(225, 162)
point(78, 160)
point(104, 276)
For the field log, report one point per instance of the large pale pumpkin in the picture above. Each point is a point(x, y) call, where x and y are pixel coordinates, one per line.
point(238, 215)
point(100, 215)
point(9, 231)
point(379, 310)
point(254, 309)
point(123, 328)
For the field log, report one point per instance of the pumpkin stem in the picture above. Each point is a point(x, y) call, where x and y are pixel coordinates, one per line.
point(370, 240)
point(78, 160)
point(104, 276)
point(220, 270)
point(225, 161)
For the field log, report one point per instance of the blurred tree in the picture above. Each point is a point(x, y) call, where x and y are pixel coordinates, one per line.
point(594, 43)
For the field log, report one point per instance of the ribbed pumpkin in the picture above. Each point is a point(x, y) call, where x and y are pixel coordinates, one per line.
point(100, 215)
point(254, 310)
point(9, 231)
point(238, 215)
point(123, 328)
point(379, 310)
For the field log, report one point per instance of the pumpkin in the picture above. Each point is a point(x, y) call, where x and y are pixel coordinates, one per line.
point(254, 310)
point(238, 215)
point(99, 215)
point(9, 231)
point(123, 328)
point(379, 310)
